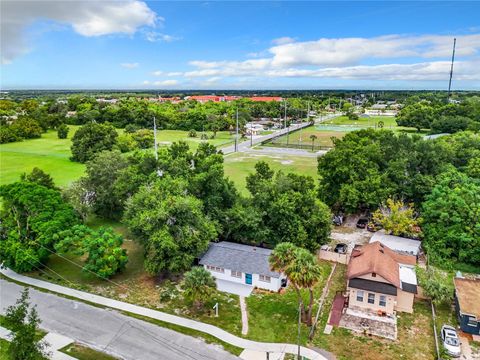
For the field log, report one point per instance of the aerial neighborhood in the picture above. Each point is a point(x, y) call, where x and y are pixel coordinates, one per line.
point(191, 180)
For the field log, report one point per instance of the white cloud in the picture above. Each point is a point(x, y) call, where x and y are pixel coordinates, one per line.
point(129, 65)
point(87, 18)
point(157, 73)
point(154, 36)
point(343, 58)
point(166, 83)
point(174, 73)
point(283, 40)
point(146, 82)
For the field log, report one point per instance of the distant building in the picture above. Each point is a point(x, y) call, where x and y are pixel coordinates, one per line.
point(467, 304)
point(253, 129)
point(265, 98)
point(107, 101)
point(241, 265)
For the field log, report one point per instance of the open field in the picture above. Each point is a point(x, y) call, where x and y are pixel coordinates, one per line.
point(239, 165)
point(48, 153)
point(52, 154)
point(372, 121)
point(302, 137)
point(338, 127)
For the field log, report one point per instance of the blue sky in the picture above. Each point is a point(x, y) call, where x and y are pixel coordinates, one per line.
point(239, 45)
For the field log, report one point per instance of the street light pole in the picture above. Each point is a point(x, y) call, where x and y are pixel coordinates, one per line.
point(236, 134)
point(155, 138)
point(299, 321)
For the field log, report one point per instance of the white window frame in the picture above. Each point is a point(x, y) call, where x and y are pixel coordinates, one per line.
point(216, 269)
point(236, 274)
point(382, 302)
point(264, 278)
point(368, 298)
point(472, 322)
point(361, 295)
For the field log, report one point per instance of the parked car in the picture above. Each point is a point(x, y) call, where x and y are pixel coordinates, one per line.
point(362, 223)
point(341, 248)
point(450, 341)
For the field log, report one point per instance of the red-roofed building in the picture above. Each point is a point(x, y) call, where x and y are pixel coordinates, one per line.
point(265, 98)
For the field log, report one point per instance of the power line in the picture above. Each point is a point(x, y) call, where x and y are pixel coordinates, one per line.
point(80, 266)
point(161, 341)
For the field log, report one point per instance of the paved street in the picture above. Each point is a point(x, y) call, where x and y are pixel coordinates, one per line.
point(122, 336)
point(245, 145)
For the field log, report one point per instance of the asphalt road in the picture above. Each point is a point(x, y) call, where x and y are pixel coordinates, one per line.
point(245, 145)
point(110, 331)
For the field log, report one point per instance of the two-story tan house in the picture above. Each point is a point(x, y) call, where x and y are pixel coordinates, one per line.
point(381, 280)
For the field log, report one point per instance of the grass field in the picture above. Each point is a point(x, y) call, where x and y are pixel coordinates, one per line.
point(48, 153)
point(239, 165)
point(302, 137)
point(388, 121)
point(81, 352)
point(52, 154)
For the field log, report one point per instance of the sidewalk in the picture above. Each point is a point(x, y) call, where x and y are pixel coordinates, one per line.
point(54, 342)
point(173, 319)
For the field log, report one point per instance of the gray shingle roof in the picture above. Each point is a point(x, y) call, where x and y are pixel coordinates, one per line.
point(238, 257)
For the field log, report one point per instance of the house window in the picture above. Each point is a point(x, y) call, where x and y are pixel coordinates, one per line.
point(383, 300)
point(264, 278)
point(374, 275)
point(371, 298)
point(236, 274)
point(472, 322)
point(216, 268)
point(359, 296)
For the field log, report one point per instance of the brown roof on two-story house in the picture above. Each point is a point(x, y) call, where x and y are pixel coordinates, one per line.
point(378, 259)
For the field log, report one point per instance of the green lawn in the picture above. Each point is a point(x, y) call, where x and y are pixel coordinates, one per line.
point(239, 165)
point(81, 352)
point(52, 154)
point(372, 121)
point(273, 317)
point(48, 153)
point(302, 137)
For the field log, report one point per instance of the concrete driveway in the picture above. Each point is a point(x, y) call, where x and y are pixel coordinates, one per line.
point(234, 288)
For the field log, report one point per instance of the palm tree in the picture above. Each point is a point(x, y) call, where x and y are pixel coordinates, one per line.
point(313, 137)
point(302, 270)
point(198, 285)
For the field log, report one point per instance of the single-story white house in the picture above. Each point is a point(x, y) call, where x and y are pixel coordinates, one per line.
point(397, 243)
point(242, 265)
point(253, 129)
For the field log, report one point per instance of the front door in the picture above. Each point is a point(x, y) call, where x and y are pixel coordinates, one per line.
point(248, 279)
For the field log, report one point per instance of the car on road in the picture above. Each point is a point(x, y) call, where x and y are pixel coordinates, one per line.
point(451, 341)
point(341, 248)
point(362, 223)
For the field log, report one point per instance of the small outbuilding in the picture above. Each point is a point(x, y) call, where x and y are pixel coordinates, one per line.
point(398, 244)
point(467, 304)
point(239, 268)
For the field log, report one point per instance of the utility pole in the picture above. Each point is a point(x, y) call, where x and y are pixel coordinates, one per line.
point(155, 138)
point(299, 323)
point(451, 69)
point(236, 134)
point(288, 129)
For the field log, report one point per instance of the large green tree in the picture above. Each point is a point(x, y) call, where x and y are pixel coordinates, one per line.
point(23, 322)
point(103, 249)
point(92, 138)
point(170, 223)
point(289, 208)
point(451, 216)
point(30, 218)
